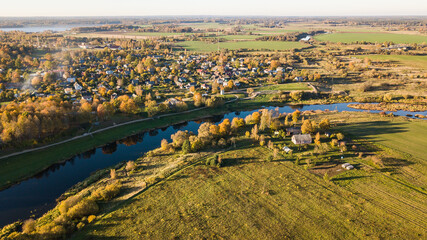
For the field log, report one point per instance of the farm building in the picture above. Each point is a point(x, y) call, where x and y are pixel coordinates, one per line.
point(293, 131)
point(347, 166)
point(301, 139)
point(286, 149)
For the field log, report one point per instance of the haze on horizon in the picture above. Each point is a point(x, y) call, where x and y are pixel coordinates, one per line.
point(31, 8)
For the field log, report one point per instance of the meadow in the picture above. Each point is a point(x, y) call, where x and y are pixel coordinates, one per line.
point(403, 60)
point(198, 46)
point(372, 37)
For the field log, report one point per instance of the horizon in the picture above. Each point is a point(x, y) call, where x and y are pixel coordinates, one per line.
point(248, 8)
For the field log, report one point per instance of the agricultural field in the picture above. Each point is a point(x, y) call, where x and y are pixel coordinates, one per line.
point(197, 46)
point(372, 37)
point(252, 197)
point(402, 60)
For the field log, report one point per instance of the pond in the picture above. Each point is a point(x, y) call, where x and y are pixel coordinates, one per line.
point(36, 195)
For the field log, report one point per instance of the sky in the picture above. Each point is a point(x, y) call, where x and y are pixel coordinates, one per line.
point(10, 8)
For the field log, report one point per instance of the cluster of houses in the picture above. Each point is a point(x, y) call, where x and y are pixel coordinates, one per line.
point(178, 71)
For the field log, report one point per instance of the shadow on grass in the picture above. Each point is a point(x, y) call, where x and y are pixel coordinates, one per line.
point(369, 129)
point(348, 178)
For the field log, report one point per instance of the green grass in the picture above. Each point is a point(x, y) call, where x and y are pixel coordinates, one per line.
point(405, 60)
point(256, 45)
point(231, 203)
point(404, 136)
point(372, 37)
point(238, 37)
point(284, 87)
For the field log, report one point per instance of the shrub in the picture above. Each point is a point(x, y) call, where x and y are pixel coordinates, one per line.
point(113, 174)
point(130, 166)
point(83, 208)
point(106, 193)
point(68, 203)
point(29, 226)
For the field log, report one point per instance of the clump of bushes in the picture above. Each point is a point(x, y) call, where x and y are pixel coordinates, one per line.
point(214, 161)
point(83, 208)
point(106, 193)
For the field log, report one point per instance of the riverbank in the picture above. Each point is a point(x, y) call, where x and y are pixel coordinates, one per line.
point(392, 107)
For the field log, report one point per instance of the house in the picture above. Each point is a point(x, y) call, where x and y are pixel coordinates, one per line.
point(286, 149)
point(172, 102)
point(301, 139)
point(77, 87)
point(71, 79)
point(293, 131)
point(298, 79)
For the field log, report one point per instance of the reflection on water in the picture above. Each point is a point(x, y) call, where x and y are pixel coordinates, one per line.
point(39, 192)
point(109, 148)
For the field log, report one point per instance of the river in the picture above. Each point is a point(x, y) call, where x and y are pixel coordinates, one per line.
point(36, 195)
point(53, 28)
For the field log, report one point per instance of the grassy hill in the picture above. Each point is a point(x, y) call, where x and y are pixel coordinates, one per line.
point(252, 198)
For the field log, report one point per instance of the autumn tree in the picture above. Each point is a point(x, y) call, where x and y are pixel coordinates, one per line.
point(307, 127)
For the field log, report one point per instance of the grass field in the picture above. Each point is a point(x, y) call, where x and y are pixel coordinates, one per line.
point(284, 87)
point(257, 45)
point(252, 198)
point(404, 60)
point(372, 37)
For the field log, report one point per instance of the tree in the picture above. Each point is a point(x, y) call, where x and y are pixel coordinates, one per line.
point(186, 147)
point(340, 136)
point(224, 127)
point(164, 145)
point(295, 116)
point(307, 127)
point(204, 130)
point(296, 95)
point(317, 139)
point(325, 124)
point(197, 99)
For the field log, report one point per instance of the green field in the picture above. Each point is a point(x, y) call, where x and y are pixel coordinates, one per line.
point(239, 37)
point(250, 198)
point(198, 46)
point(405, 60)
point(372, 37)
point(284, 87)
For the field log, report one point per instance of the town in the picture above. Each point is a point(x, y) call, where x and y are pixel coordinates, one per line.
point(213, 127)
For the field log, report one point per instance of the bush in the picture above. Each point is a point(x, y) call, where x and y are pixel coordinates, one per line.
point(130, 166)
point(106, 193)
point(113, 173)
point(83, 208)
point(91, 218)
point(68, 203)
point(29, 226)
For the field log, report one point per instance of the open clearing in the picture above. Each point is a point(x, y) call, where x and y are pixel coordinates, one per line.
point(284, 87)
point(255, 199)
point(256, 45)
point(372, 37)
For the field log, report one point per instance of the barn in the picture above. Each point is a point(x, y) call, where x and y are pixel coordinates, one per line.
point(301, 139)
